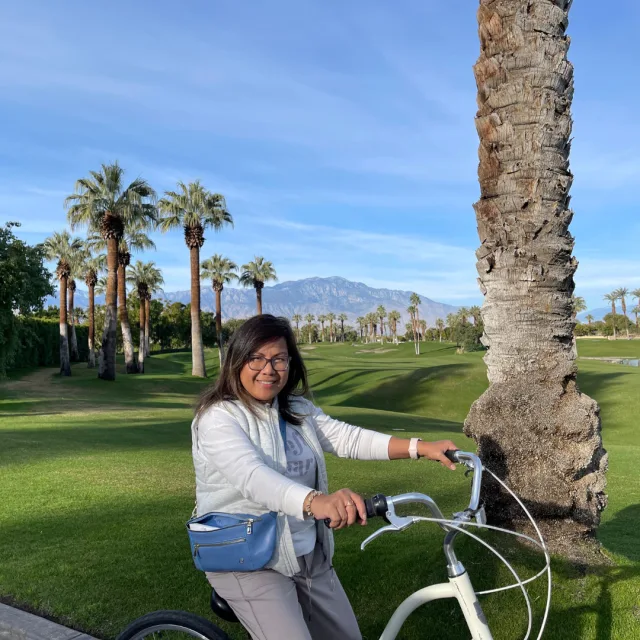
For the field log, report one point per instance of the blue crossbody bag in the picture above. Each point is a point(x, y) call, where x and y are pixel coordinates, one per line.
point(234, 541)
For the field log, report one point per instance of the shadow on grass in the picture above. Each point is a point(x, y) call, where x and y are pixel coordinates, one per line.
point(389, 422)
point(20, 446)
point(406, 392)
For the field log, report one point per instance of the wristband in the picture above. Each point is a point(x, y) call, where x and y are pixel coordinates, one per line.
point(413, 448)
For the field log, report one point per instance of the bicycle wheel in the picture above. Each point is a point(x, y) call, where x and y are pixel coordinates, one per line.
point(172, 625)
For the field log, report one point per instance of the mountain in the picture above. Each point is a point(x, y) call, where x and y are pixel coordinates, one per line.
point(316, 296)
point(80, 299)
point(311, 295)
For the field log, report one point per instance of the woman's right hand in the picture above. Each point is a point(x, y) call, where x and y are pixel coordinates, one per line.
point(343, 508)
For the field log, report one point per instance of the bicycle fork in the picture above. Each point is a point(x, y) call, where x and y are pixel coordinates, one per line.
point(458, 587)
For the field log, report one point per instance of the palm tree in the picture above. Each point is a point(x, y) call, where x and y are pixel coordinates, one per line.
point(143, 276)
point(194, 209)
point(636, 311)
point(361, 322)
point(309, 319)
point(370, 320)
point(636, 294)
point(92, 267)
point(331, 317)
point(622, 293)
point(297, 318)
point(75, 263)
point(533, 408)
point(322, 319)
point(154, 284)
point(612, 298)
point(62, 247)
point(589, 318)
point(423, 329)
point(415, 302)
point(220, 271)
point(343, 318)
point(412, 310)
point(381, 313)
point(578, 305)
point(476, 313)
point(134, 238)
point(394, 318)
point(440, 327)
point(255, 274)
point(137, 278)
point(103, 204)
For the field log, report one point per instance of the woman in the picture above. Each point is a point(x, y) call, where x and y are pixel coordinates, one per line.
point(243, 466)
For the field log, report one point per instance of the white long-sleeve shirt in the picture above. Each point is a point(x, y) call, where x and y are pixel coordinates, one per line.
point(240, 464)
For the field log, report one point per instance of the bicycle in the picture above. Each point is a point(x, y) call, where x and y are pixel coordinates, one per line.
point(160, 624)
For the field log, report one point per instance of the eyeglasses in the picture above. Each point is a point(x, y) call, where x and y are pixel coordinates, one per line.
point(278, 363)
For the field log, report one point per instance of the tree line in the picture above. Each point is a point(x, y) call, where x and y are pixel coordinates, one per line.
point(118, 219)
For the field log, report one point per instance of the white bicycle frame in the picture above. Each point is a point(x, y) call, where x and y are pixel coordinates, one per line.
point(460, 588)
point(459, 585)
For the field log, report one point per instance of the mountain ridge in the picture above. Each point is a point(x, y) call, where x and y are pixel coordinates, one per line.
point(309, 295)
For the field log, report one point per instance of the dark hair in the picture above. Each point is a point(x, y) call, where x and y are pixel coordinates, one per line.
point(244, 342)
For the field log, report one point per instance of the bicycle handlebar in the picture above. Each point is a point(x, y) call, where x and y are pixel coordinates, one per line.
point(378, 505)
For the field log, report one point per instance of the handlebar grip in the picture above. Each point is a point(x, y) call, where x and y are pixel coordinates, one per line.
point(375, 506)
point(452, 455)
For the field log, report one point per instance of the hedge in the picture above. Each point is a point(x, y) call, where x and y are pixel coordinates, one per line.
point(35, 342)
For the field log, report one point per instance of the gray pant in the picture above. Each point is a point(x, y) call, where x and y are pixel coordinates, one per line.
point(310, 606)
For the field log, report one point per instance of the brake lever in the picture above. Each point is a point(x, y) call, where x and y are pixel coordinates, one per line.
point(396, 524)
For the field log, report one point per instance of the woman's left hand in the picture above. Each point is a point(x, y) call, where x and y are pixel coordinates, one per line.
point(436, 450)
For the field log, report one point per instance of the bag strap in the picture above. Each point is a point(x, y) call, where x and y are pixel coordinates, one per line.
point(283, 434)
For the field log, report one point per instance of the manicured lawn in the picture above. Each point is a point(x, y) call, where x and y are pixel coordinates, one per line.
point(97, 483)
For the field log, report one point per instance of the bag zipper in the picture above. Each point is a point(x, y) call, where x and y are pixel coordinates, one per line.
point(196, 547)
point(248, 523)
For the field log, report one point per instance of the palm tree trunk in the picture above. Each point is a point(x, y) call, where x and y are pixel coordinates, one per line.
point(219, 324)
point(533, 426)
point(92, 328)
point(127, 340)
point(65, 365)
point(259, 300)
point(613, 313)
point(75, 356)
point(107, 355)
point(141, 344)
point(147, 326)
point(197, 349)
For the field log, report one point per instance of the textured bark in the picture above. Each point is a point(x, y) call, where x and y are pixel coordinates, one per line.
point(258, 286)
point(71, 289)
point(92, 326)
point(197, 348)
point(65, 365)
point(533, 425)
point(147, 325)
point(127, 340)
point(107, 355)
point(218, 288)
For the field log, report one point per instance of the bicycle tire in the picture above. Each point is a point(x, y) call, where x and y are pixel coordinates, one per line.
point(196, 626)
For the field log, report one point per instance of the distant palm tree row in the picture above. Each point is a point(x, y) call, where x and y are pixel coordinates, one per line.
point(616, 295)
point(369, 324)
point(118, 218)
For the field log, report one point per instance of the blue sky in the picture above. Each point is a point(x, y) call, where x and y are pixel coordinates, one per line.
point(341, 133)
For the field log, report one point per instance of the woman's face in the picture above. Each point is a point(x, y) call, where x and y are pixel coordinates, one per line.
point(266, 384)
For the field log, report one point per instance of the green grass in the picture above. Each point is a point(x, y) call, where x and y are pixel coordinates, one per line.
point(97, 483)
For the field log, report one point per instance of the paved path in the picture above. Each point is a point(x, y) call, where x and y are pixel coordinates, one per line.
point(20, 625)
